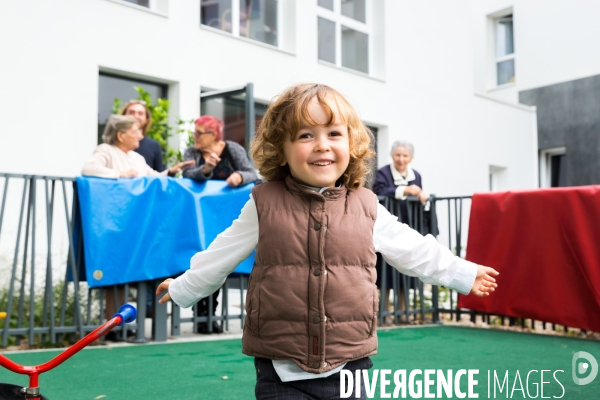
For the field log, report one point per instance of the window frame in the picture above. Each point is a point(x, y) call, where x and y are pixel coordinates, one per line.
point(507, 57)
point(497, 178)
point(156, 7)
point(492, 58)
point(340, 20)
point(163, 86)
point(235, 25)
point(151, 4)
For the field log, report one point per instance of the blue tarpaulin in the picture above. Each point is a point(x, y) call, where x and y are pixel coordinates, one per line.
point(149, 228)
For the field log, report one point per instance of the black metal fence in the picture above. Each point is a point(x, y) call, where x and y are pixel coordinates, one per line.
point(411, 299)
point(46, 302)
point(36, 301)
point(41, 255)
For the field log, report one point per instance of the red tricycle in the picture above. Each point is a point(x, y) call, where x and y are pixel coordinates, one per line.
point(127, 313)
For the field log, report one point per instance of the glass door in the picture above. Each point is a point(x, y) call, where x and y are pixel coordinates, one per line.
point(236, 108)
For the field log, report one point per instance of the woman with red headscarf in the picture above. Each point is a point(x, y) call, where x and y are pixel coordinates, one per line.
point(216, 158)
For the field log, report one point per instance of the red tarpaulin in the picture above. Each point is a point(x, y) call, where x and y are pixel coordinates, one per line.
point(546, 246)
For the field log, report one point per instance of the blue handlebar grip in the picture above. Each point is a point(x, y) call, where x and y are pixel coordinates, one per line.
point(127, 312)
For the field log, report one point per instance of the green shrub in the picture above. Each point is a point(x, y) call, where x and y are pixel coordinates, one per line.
point(39, 319)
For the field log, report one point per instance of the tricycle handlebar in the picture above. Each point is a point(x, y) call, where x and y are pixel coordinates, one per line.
point(127, 312)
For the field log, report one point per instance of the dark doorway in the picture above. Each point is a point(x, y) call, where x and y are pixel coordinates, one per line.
point(567, 116)
point(557, 171)
point(237, 109)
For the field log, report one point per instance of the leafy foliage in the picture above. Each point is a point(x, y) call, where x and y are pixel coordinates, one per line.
point(190, 133)
point(64, 313)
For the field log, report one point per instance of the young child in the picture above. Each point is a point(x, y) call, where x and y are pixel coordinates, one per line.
point(312, 302)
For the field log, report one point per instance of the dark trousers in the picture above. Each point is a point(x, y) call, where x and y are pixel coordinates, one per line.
point(270, 387)
point(203, 305)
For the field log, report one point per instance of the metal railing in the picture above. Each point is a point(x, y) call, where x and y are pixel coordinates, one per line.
point(42, 290)
point(455, 217)
point(451, 227)
point(426, 220)
point(37, 203)
point(47, 302)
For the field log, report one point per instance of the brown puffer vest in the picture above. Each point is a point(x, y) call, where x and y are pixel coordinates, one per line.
point(312, 296)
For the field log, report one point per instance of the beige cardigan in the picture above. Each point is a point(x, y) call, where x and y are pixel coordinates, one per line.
point(109, 161)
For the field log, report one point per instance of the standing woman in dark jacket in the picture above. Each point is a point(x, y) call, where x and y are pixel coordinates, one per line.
point(219, 159)
point(398, 181)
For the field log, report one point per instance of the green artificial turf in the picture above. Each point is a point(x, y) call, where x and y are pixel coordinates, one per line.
point(196, 370)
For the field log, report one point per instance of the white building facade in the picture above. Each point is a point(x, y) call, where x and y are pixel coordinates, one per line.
point(544, 53)
point(413, 69)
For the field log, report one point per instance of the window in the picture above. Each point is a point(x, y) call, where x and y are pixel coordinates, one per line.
point(216, 14)
point(326, 40)
point(552, 167)
point(328, 4)
point(253, 19)
point(505, 50)
point(143, 3)
point(497, 176)
point(355, 9)
point(160, 7)
point(231, 108)
point(111, 87)
point(344, 33)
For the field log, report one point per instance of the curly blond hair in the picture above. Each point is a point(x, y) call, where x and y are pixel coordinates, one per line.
point(288, 112)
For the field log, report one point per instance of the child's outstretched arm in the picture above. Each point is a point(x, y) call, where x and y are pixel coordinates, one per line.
point(422, 256)
point(485, 283)
point(209, 268)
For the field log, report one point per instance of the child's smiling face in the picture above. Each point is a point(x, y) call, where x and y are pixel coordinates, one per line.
point(319, 154)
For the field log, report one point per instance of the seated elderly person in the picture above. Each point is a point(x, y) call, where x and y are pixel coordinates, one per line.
point(216, 158)
point(116, 158)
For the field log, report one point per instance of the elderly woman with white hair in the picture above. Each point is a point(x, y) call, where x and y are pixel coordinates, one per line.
point(116, 158)
point(398, 180)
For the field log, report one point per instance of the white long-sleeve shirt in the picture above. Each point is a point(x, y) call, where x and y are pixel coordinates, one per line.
point(401, 247)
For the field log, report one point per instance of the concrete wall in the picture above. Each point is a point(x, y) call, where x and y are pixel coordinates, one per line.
point(569, 116)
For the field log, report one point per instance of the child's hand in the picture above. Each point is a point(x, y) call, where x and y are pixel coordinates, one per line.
point(161, 288)
point(484, 282)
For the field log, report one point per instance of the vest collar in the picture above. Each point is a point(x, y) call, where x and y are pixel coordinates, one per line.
point(330, 194)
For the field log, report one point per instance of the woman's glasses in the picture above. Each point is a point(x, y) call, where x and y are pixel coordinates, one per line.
point(199, 133)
